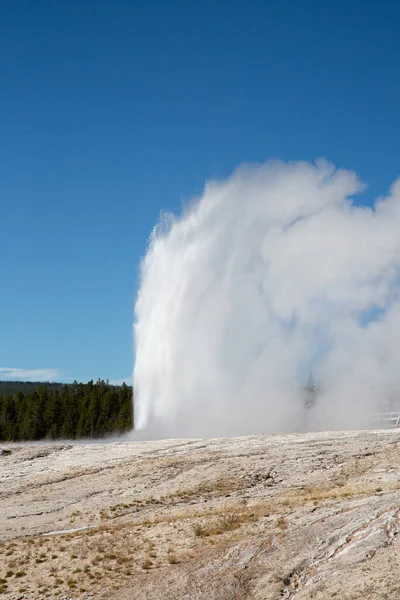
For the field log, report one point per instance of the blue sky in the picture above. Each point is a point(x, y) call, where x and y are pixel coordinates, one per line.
point(113, 111)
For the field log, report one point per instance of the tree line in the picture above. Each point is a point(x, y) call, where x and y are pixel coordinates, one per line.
point(64, 411)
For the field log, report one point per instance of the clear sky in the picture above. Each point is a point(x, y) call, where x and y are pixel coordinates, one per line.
point(113, 111)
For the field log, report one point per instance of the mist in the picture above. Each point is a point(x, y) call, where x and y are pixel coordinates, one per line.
point(270, 274)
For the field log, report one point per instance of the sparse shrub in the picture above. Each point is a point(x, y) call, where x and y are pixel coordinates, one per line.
point(232, 520)
point(200, 531)
point(173, 559)
point(228, 519)
point(282, 524)
point(147, 564)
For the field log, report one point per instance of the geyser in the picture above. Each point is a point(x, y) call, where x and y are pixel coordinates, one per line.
point(269, 274)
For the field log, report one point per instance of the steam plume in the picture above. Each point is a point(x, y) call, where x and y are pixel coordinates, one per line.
point(268, 275)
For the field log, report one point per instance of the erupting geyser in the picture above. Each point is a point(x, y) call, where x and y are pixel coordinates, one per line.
point(270, 273)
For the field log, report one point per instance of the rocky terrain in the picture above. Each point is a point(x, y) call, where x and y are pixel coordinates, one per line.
point(283, 517)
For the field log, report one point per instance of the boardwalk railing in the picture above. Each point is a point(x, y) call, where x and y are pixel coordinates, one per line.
point(386, 419)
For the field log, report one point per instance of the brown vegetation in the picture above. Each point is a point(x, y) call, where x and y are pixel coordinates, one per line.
point(271, 514)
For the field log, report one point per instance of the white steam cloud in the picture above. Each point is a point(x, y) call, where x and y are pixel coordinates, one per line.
point(268, 275)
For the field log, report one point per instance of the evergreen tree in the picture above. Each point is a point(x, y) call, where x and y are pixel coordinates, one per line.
point(65, 411)
point(310, 390)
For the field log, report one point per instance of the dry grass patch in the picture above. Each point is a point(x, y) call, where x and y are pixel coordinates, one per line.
point(282, 523)
point(221, 486)
point(147, 563)
point(345, 490)
point(225, 519)
point(173, 559)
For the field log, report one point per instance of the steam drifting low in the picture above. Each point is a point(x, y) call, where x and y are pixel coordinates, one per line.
point(269, 274)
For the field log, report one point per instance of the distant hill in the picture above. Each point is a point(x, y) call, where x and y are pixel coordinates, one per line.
point(10, 388)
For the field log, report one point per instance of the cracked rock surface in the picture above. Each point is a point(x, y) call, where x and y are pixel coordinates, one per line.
point(281, 517)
